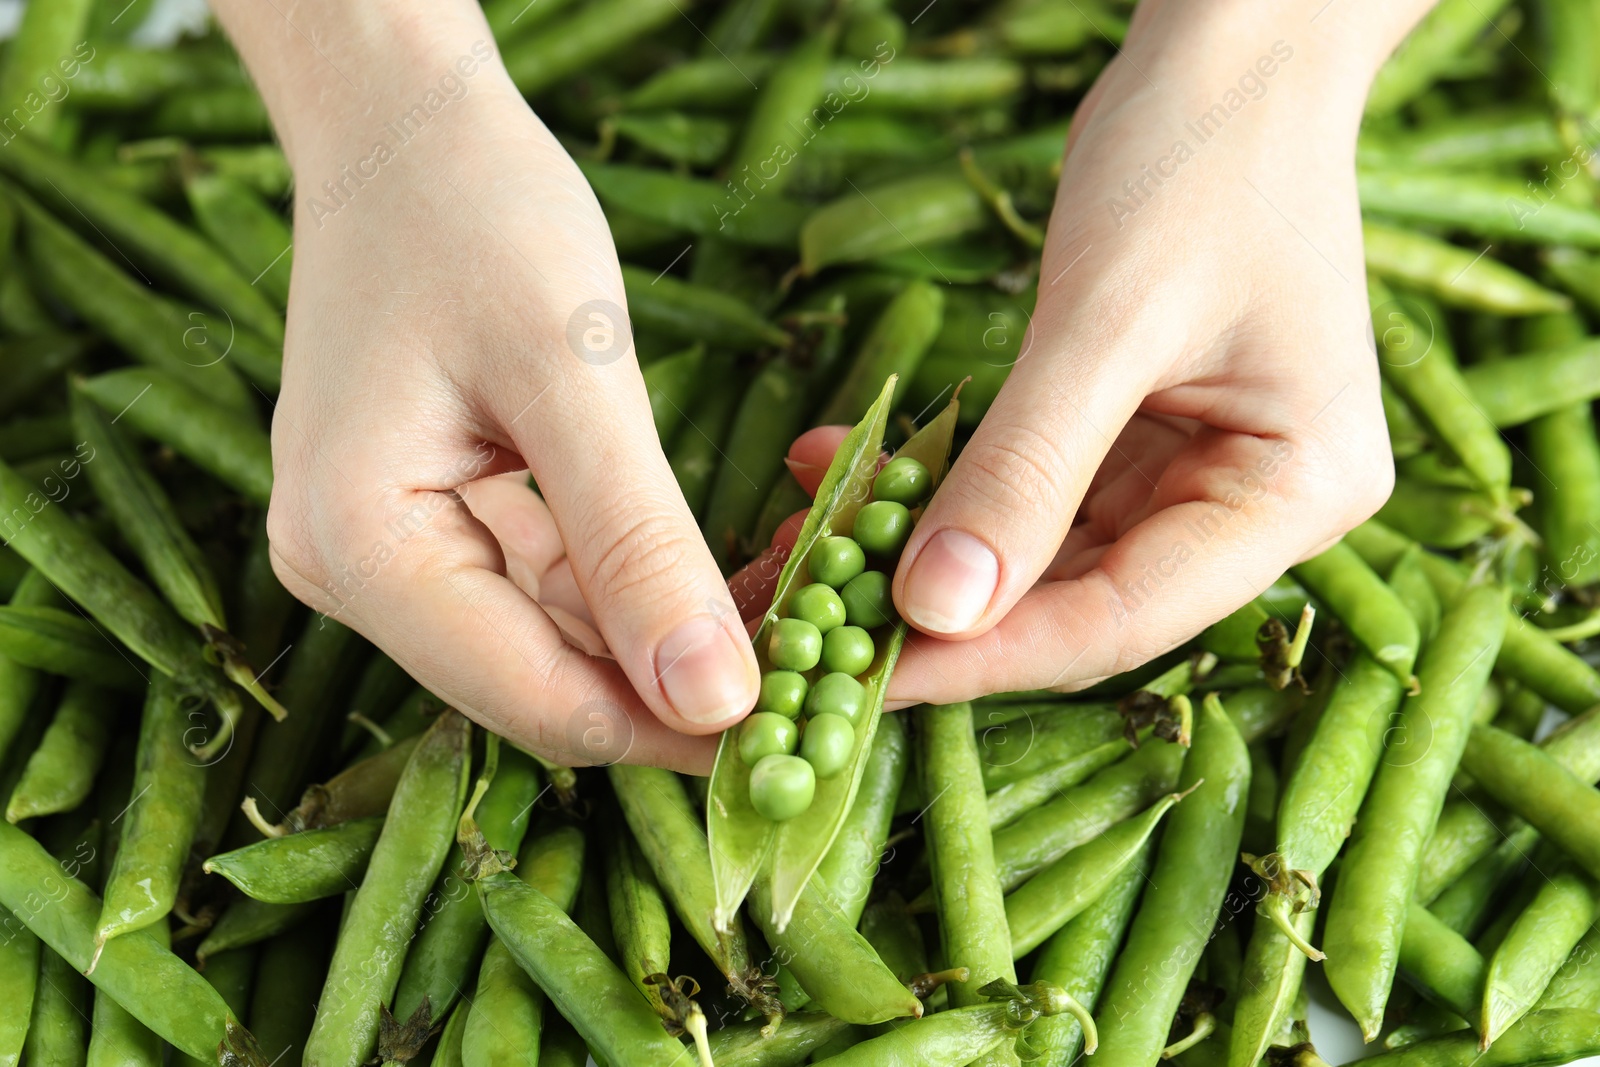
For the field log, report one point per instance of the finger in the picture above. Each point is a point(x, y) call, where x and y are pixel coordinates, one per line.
point(1003, 510)
point(811, 453)
point(486, 648)
point(753, 584)
point(636, 554)
point(1238, 511)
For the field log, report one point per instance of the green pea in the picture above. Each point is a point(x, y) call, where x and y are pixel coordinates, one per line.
point(781, 787)
point(766, 734)
point(827, 744)
point(819, 605)
point(784, 692)
point(847, 650)
point(882, 527)
point(837, 694)
point(836, 560)
point(796, 645)
point(866, 600)
point(903, 481)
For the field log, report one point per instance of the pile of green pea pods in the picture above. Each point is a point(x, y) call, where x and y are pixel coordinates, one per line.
point(1383, 769)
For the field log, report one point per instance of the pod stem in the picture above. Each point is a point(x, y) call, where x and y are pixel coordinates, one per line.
point(1302, 637)
point(1277, 908)
point(252, 813)
point(491, 764)
point(1205, 1024)
point(1000, 202)
point(378, 733)
point(227, 649)
point(479, 859)
point(229, 710)
point(923, 985)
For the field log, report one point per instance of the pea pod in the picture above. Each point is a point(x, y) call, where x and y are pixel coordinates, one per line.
point(1477, 139)
point(454, 930)
point(1380, 867)
point(1538, 943)
point(567, 45)
point(383, 915)
point(248, 232)
point(1417, 362)
point(19, 980)
point(697, 206)
point(507, 1016)
point(669, 833)
point(582, 983)
point(749, 1045)
point(161, 406)
point(769, 418)
point(160, 821)
point(680, 309)
point(1059, 893)
point(907, 85)
point(299, 867)
point(1502, 208)
point(1563, 447)
point(895, 345)
point(671, 384)
point(280, 1011)
point(1050, 831)
point(1268, 988)
point(1577, 983)
point(1426, 52)
point(213, 113)
point(782, 120)
point(1440, 963)
point(639, 922)
point(1016, 798)
point(1527, 655)
point(900, 216)
point(50, 43)
point(1443, 516)
point(714, 83)
point(967, 893)
point(116, 1037)
point(743, 843)
point(61, 771)
point(676, 136)
point(1556, 1036)
point(1513, 391)
point(163, 245)
point(56, 1032)
point(1466, 903)
point(249, 922)
point(696, 456)
point(159, 989)
point(1534, 785)
point(1454, 275)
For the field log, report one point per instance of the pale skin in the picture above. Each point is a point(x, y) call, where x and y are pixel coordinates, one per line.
point(1196, 408)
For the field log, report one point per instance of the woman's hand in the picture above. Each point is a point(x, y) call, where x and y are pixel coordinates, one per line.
point(457, 319)
point(1196, 407)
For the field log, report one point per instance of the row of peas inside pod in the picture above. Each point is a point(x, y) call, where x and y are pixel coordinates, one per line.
point(803, 727)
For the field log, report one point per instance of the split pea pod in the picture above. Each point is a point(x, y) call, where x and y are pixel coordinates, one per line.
point(968, 895)
point(1454, 275)
point(119, 308)
point(583, 984)
point(160, 822)
point(163, 245)
point(1079, 956)
point(60, 773)
point(304, 866)
point(507, 1016)
point(454, 930)
point(846, 873)
point(1535, 786)
point(1059, 893)
point(1375, 617)
point(159, 989)
point(1417, 362)
point(1197, 855)
point(1379, 872)
point(383, 915)
point(163, 407)
point(1051, 830)
point(250, 233)
point(1534, 949)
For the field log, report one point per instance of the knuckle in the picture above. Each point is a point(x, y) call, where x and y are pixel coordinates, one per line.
point(1014, 468)
point(640, 554)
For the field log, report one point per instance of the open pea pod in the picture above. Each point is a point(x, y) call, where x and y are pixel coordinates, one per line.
point(743, 842)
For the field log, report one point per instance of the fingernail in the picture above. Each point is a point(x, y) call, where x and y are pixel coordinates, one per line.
point(951, 583)
point(704, 672)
